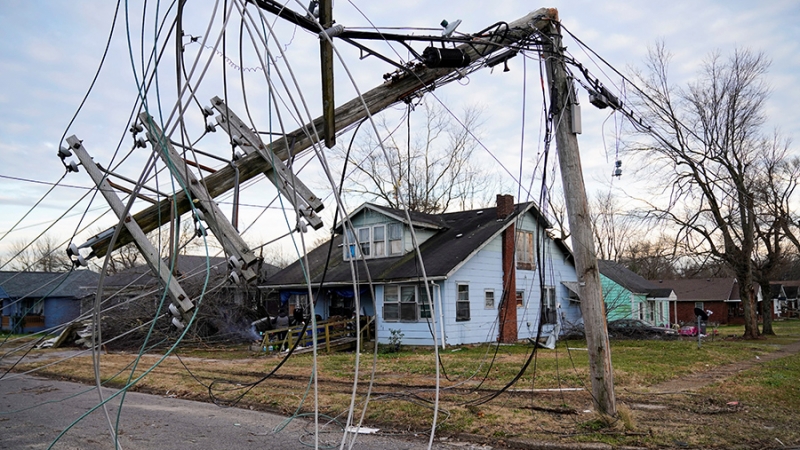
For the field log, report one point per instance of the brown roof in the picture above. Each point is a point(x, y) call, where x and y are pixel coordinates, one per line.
point(703, 289)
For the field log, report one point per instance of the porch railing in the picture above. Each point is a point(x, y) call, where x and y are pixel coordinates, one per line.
point(329, 334)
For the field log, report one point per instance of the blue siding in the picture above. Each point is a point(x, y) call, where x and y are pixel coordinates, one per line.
point(481, 272)
point(58, 311)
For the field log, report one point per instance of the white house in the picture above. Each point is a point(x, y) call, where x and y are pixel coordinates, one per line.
point(493, 274)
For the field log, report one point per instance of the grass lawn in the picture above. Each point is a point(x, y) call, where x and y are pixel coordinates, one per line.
point(765, 397)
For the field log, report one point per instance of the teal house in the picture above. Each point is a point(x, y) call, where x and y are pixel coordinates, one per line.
point(629, 296)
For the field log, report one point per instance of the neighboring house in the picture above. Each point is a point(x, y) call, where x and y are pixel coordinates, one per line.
point(36, 301)
point(627, 295)
point(193, 272)
point(785, 297)
point(493, 273)
point(718, 295)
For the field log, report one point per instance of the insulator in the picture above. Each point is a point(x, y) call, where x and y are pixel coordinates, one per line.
point(79, 261)
point(617, 172)
point(72, 250)
point(140, 142)
point(211, 128)
point(234, 263)
point(199, 215)
point(234, 277)
point(64, 152)
point(136, 128)
point(72, 166)
point(332, 32)
point(178, 324)
point(449, 28)
point(618, 163)
point(237, 140)
point(207, 111)
point(200, 232)
point(174, 310)
point(434, 57)
point(301, 226)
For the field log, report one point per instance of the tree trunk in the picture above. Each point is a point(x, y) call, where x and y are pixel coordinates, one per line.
point(747, 294)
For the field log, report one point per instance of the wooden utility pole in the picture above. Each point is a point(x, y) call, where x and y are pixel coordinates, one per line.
point(406, 85)
point(562, 103)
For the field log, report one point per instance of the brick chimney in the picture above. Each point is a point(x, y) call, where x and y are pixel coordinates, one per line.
point(505, 205)
point(508, 305)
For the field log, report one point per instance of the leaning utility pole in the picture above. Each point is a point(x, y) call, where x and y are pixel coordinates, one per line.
point(563, 104)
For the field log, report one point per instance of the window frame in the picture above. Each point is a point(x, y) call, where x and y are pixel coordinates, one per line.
point(519, 298)
point(422, 306)
point(487, 304)
point(525, 253)
point(549, 313)
point(356, 247)
point(460, 316)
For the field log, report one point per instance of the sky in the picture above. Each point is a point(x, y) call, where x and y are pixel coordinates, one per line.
point(50, 52)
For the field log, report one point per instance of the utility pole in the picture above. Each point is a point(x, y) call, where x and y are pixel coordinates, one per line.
point(405, 85)
point(562, 104)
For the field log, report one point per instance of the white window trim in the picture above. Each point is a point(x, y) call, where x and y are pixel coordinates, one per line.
point(357, 242)
point(486, 304)
point(469, 306)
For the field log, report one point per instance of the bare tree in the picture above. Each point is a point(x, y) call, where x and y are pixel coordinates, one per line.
point(431, 159)
point(653, 259)
point(775, 186)
point(704, 146)
point(613, 228)
point(41, 255)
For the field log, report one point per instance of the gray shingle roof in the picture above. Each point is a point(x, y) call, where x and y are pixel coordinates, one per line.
point(75, 284)
point(460, 234)
point(631, 280)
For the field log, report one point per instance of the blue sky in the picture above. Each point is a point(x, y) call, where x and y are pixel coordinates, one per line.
point(50, 51)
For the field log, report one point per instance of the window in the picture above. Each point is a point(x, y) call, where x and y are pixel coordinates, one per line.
point(379, 240)
point(407, 303)
point(371, 242)
point(640, 312)
point(699, 305)
point(520, 297)
point(524, 251)
point(350, 245)
point(424, 303)
point(462, 302)
point(391, 304)
point(549, 311)
point(488, 296)
point(395, 238)
point(364, 241)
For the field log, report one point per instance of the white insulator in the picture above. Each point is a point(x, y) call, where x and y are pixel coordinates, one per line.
point(72, 166)
point(64, 152)
point(210, 128)
point(234, 277)
point(234, 263)
point(140, 142)
point(174, 310)
point(332, 32)
point(80, 261)
point(207, 111)
point(201, 231)
point(199, 215)
point(301, 226)
point(72, 249)
point(178, 324)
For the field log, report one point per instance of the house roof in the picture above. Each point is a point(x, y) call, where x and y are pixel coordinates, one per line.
point(418, 219)
point(74, 284)
point(631, 280)
point(459, 236)
point(703, 289)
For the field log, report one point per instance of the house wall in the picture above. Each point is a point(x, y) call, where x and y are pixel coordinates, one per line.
point(620, 303)
point(58, 311)
point(719, 309)
point(484, 272)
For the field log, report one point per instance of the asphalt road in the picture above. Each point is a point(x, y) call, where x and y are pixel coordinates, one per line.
point(34, 411)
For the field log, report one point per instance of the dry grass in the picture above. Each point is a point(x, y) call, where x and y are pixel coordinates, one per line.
point(402, 396)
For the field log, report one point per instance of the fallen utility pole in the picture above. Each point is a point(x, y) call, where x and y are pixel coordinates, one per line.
point(398, 88)
point(562, 103)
